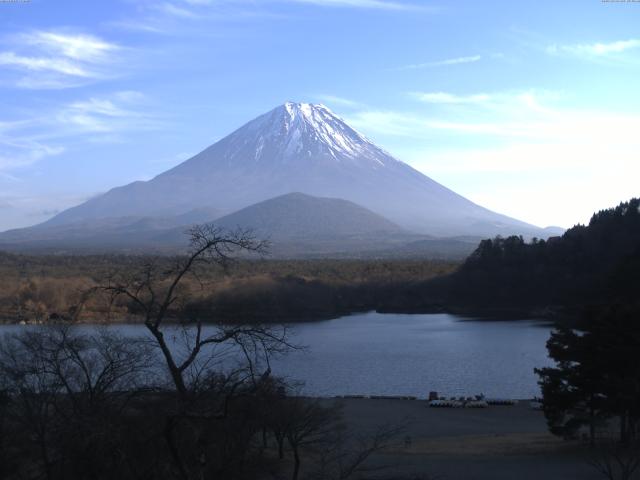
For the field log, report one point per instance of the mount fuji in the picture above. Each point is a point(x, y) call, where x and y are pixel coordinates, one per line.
point(296, 147)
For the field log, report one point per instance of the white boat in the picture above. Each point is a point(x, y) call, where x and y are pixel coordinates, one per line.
point(446, 404)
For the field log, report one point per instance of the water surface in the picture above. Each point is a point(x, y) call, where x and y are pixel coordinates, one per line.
point(392, 354)
point(412, 354)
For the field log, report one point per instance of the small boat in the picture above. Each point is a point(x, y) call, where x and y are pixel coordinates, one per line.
point(446, 404)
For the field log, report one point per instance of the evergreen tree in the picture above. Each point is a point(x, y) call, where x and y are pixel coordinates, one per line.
point(596, 377)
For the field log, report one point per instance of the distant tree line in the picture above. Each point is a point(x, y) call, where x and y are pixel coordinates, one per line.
point(35, 289)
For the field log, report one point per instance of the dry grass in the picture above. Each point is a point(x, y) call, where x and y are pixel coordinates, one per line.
point(498, 444)
point(37, 288)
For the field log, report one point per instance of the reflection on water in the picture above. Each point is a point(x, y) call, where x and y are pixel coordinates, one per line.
point(391, 354)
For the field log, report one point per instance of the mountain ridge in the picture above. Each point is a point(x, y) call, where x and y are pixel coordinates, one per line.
point(297, 215)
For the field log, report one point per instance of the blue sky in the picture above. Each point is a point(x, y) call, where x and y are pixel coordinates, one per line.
point(529, 108)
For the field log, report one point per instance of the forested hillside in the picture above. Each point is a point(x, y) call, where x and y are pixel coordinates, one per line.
point(589, 265)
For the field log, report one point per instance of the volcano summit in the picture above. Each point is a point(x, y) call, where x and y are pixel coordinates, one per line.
point(296, 147)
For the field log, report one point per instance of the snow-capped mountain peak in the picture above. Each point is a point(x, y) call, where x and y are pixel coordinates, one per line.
point(299, 147)
point(303, 130)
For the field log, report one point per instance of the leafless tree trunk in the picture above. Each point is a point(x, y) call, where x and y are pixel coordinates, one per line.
point(66, 389)
point(615, 460)
point(347, 457)
point(155, 293)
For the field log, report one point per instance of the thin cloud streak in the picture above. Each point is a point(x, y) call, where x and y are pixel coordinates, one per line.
point(443, 63)
point(448, 98)
point(58, 65)
point(339, 101)
point(174, 10)
point(526, 134)
point(48, 59)
point(181, 17)
point(544, 150)
point(117, 113)
point(595, 50)
point(507, 114)
point(23, 152)
point(28, 142)
point(370, 4)
point(81, 47)
point(171, 17)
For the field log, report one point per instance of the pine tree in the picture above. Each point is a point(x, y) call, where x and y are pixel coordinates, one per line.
point(596, 377)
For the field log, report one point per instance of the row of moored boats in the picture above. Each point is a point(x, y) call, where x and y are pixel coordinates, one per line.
point(476, 402)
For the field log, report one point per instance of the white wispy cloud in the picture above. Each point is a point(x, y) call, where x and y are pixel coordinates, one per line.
point(528, 146)
point(595, 50)
point(116, 113)
point(18, 148)
point(176, 10)
point(58, 65)
point(339, 101)
point(201, 2)
point(193, 17)
point(139, 25)
point(499, 103)
point(81, 47)
point(24, 152)
point(443, 63)
point(181, 17)
point(482, 113)
point(47, 133)
point(375, 4)
point(48, 59)
point(103, 107)
point(444, 97)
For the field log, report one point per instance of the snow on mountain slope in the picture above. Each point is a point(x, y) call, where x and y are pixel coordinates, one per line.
point(300, 147)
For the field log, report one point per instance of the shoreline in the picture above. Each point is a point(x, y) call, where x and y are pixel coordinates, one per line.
point(552, 315)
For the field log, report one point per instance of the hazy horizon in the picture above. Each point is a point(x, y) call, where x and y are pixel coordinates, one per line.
point(528, 110)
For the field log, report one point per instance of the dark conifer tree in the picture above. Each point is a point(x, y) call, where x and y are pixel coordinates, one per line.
point(597, 375)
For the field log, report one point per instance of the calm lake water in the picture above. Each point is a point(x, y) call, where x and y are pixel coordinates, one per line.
point(392, 354)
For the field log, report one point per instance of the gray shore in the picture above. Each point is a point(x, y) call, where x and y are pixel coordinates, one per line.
point(495, 443)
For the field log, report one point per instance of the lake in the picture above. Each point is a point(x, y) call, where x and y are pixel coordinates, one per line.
point(394, 354)
point(391, 354)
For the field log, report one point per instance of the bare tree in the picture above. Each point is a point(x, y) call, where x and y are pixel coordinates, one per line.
point(347, 456)
point(34, 391)
point(615, 460)
point(156, 294)
point(66, 392)
point(308, 425)
point(193, 357)
point(314, 431)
